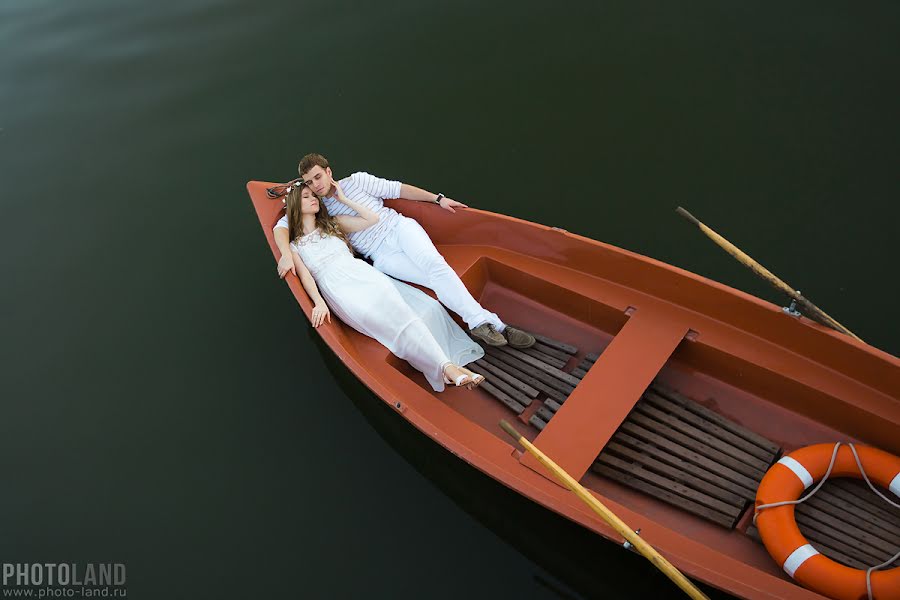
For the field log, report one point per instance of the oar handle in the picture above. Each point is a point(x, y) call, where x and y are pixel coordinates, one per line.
point(510, 430)
point(688, 216)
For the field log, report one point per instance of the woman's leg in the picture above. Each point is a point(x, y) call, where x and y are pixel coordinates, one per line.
point(416, 345)
point(369, 301)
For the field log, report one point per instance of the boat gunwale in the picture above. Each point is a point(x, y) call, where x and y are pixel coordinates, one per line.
point(770, 309)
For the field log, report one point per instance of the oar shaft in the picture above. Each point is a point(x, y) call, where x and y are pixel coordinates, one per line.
point(742, 257)
point(610, 517)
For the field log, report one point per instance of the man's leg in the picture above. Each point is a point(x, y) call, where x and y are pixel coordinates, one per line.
point(418, 251)
point(395, 257)
point(390, 260)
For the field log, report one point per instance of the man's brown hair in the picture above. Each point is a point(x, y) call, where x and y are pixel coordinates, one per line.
point(311, 160)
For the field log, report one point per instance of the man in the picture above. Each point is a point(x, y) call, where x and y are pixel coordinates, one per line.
point(399, 246)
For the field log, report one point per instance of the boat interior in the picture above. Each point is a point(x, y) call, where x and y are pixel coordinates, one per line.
point(691, 451)
point(669, 411)
point(656, 388)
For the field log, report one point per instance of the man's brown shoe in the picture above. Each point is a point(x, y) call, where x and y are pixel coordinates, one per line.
point(489, 335)
point(518, 338)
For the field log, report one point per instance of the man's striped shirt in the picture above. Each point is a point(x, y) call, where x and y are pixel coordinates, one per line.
point(369, 191)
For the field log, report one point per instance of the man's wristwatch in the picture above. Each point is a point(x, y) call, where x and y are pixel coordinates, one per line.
point(438, 199)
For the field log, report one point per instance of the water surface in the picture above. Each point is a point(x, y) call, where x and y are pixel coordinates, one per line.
point(165, 404)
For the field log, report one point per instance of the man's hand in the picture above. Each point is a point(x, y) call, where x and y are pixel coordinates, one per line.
point(450, 204)
point(286, 264)
point(338, 190)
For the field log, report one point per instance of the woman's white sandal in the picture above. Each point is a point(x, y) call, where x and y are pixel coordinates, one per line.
point(477, 378)
point(459, 381)
point(462, 380)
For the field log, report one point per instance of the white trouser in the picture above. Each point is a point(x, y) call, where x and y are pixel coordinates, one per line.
point(408, 254)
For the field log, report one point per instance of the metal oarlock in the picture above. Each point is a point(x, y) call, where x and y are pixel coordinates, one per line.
point(628, 545)
point(792, 309)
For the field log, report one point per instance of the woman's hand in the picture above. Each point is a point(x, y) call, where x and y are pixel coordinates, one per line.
point(450, 204)
point(286, 264)
point(319, 314)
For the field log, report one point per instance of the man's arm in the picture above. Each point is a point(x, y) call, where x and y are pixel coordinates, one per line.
point(411, 192)
point(286, 263)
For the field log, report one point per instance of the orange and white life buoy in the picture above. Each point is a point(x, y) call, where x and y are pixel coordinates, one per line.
point(785, 482)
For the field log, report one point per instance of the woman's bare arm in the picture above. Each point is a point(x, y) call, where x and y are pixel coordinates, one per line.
point(320, 308)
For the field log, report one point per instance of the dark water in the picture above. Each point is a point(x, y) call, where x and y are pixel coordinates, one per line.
point(165, 404)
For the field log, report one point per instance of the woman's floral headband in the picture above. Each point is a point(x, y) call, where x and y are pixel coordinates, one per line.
point(280, 191)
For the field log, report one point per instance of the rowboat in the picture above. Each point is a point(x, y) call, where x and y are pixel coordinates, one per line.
point(665, 394)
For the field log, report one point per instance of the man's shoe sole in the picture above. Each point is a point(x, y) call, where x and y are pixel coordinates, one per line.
point(517, 347)
point(521, 346)
point(489, 341)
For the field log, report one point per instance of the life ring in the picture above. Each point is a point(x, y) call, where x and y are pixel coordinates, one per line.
point(786, 481)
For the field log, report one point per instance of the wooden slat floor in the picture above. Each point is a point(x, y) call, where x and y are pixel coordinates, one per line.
point(669, 446)
point(849, 523)
point(683, 453)
point(687, 455)
point(518, 377)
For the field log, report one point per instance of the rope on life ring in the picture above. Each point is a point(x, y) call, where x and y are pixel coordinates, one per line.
point(780, 490)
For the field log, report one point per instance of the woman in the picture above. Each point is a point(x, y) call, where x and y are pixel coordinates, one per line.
point(409, 323)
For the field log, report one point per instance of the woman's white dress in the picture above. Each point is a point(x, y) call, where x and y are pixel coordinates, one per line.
point(411, 324)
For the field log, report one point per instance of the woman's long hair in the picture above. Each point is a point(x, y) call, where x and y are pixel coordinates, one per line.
point(324, 221)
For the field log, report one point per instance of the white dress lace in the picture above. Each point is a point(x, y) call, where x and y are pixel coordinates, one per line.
point(411, 324)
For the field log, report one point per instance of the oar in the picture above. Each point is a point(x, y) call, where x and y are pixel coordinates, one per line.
point(607, 515)
point(817, 313)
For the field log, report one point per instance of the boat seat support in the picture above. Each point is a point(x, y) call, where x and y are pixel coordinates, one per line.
point(603, 398)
